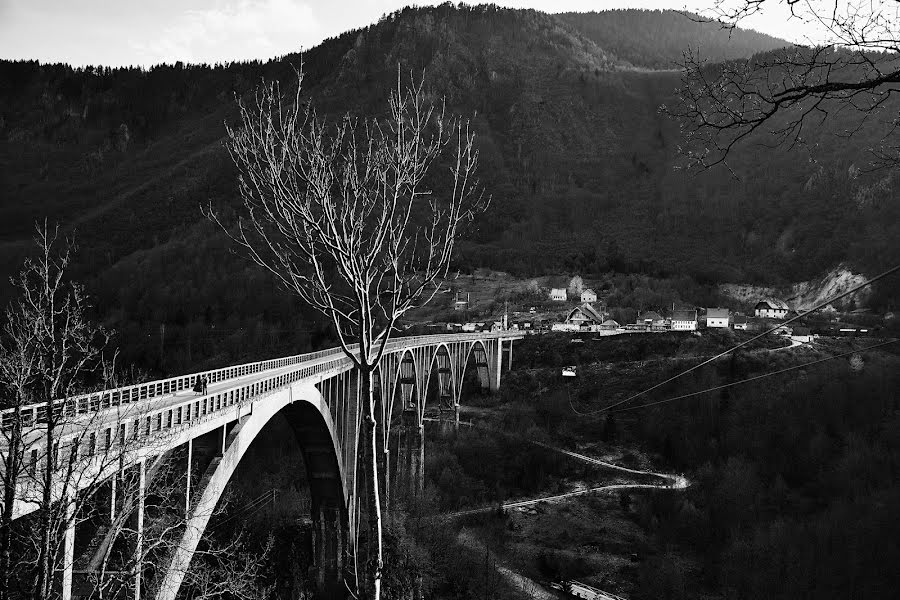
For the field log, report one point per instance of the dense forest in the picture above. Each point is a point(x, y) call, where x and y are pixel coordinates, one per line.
point(794, 477)
point(656, 39)
point(581, 165)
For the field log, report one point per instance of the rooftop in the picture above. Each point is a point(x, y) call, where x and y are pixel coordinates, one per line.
point(774, 303)
point(684, 315)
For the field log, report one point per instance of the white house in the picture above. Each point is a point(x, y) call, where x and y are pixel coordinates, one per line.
point(771, 308)
point(588, 296)
point(558, 295)
point(802, 334)
point(717, 317)
point(684, 320)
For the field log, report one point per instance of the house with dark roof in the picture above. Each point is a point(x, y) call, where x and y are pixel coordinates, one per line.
point(684, 320)
point(739, 322)
point(652, 320)
point(717, 317)
point(771, 308)
point(585, 315)
point(802, 334)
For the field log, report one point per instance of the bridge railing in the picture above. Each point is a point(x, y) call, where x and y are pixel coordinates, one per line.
point(36, 414)
point(165, 420)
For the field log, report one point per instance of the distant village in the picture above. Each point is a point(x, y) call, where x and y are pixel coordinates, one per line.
point(586, 312)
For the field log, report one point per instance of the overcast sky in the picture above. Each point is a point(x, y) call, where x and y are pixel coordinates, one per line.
point(147, 32)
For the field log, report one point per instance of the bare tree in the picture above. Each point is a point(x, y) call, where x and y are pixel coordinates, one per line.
point(48, 349)
point(778, 97)
point(342, 215)
point(60, 450)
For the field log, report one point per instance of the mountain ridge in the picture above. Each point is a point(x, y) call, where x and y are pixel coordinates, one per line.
point(574, 151)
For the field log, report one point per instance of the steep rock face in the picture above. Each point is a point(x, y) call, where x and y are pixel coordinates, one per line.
point(805, 295)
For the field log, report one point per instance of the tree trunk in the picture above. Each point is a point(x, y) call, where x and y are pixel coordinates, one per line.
point(10, 478)
point(45, 550)
point(376, 562)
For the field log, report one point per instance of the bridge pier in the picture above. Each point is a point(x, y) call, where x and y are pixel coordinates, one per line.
point(68, 548)
point(412, 455)
point(188, 475)
point(139, 528)
point(329, 550)
point(483, 369)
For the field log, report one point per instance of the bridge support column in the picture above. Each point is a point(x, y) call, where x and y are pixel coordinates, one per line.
point(68, 548)
point(448, 401)
point(329, 544)
point(139, 529)
point(112, 497)
point(483, 369)
point(224, 439)
point(498, 368)
point(410, 478)
point(419, 481)
point(187, 492)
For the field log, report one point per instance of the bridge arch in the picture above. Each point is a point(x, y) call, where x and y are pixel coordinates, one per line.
point(309, 416)
point(483, 365)
point(442, 370)
point(408, 378)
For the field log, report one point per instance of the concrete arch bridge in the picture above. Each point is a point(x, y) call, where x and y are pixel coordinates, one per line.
point(116, 439)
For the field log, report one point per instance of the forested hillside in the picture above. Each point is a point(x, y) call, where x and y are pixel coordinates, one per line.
point(656, 39)
point(574, 151)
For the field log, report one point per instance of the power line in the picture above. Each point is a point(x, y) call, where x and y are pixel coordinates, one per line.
point(255, 504)
point(757, 377)
point(819, 306)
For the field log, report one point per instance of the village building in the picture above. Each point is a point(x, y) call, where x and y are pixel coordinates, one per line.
point(461, 303)
point(585, 316)
point(558, 294)
point(684, 320)
point(652, 320)
point(783, 330)
point(588, 592)
point(717, 317)
point(588, 296)
point(609, 324)
point(802, 334)
point(771, 308)
point(739, 322)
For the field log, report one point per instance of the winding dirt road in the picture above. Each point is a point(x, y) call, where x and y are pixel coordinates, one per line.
point(670, 481)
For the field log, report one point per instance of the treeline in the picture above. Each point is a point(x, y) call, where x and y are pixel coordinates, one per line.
point(656, 39)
